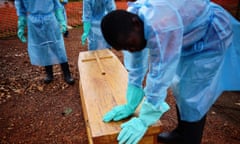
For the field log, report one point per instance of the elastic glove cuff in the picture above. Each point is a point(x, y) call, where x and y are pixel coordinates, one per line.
point(134, 96)
point(60, 18)
point(86, 30)
point(59, 15)
point(149, 114)
point(86, 27)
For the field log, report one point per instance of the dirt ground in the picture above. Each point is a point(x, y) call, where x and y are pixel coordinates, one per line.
point(32, 112)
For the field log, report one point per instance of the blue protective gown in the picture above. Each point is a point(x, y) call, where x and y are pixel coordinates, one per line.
point(93, 12)
point(45, 41)
point(190, 44)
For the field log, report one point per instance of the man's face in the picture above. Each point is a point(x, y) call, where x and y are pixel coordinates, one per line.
point(135, 41)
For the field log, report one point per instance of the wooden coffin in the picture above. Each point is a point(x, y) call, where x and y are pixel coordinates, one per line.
point(103, 83)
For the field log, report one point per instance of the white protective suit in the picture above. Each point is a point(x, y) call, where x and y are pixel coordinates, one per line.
point(190, 46)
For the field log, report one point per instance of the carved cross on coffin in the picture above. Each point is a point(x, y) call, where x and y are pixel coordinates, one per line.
point(95, 57)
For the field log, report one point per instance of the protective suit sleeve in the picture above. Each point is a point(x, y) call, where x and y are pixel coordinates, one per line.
point(164, 41)
point(133, 130)
point(137, 65)
point(60, 18)
point(20, 8)
point(163, 65)
point(86, 30)
point(22, 22)
point(87, 11)
point(134, 97)
point(110, 5)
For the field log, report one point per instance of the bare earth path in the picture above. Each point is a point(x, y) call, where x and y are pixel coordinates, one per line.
point(32, 112)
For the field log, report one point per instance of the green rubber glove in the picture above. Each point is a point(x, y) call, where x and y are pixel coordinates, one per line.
point(134, 98)
point(133, 130)
point(86, 30)
point(22, 22)
point(60, 18)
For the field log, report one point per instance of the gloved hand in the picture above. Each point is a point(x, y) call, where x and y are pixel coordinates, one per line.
point(60, 18)
point(22, 22)
point(86, 30)
point(133, 130)
point(134, 97)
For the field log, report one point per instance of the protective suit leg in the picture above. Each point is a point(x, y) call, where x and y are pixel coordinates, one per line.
point(66, 72)
point(185, 132)
point(49, 74)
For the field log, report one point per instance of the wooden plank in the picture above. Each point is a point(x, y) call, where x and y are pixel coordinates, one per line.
point(100, 92)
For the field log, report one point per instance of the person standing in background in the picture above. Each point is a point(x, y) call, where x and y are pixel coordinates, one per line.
point(64, 2)
point(93, 12)
point(45, 22)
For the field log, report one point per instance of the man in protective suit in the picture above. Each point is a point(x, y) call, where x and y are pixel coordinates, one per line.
point(45, 23)
point(189, 46)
